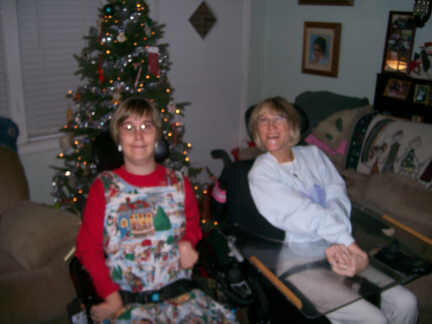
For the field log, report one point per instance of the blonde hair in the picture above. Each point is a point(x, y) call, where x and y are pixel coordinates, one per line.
point(137, 106)
point(283, 108)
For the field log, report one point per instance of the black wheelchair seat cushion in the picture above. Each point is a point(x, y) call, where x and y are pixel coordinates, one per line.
point(240, 207)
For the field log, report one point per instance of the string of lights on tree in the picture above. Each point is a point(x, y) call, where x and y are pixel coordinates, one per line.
point(122, 58)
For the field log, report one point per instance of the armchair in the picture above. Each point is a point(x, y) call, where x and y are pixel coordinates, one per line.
point(34, 238)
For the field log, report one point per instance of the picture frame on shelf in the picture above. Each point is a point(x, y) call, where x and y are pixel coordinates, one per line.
point(397, 88)
point(396, 94)
point(321, 47)
point(327, 2)
point(399, 42)
point(422, 94)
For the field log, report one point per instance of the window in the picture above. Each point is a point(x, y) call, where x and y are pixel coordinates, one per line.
point(47, 33)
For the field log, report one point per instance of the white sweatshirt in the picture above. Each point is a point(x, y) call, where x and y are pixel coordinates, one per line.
point(306, 197)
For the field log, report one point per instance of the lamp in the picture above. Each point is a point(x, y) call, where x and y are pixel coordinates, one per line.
point(394, 63)
point(422, 11)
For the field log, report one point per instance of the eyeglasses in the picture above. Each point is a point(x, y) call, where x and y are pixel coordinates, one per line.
point(277, 120)
point(129, 128)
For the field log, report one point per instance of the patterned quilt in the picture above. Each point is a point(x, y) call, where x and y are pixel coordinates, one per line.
point(382, 143)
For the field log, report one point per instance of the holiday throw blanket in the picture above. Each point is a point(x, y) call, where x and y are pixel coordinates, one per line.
point(383, 143)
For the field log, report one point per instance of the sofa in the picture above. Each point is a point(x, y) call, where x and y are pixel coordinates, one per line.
point(386, 181)
point(386, 163)
point(387, 166)
point(35, 286)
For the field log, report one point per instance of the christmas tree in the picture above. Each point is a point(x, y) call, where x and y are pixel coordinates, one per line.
point(123, 58)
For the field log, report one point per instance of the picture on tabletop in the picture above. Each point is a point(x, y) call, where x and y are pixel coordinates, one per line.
point(422, 94)
point(397, 89)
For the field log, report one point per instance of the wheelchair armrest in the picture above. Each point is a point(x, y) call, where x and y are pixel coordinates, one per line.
point(83, 286)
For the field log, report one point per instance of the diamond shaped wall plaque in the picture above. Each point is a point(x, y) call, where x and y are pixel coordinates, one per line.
point(202, 19)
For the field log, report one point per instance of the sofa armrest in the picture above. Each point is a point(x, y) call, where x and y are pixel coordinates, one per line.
point(36, 296)
point(12, 172)
point(31, 233)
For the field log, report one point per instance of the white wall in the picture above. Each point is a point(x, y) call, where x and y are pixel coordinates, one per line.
point(277, 39)
point(209, 73)
point(37, 166)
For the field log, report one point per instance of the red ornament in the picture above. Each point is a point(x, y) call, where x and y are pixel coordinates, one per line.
point(100, 72)
point(152, 60)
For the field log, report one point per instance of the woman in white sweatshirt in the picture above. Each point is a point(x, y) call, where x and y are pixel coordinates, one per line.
point(297, 189)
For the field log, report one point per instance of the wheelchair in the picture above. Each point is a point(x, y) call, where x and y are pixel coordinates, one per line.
point(221, 271)
point(219, 263)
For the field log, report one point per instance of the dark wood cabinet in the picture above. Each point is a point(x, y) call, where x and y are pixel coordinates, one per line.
point(403, 96)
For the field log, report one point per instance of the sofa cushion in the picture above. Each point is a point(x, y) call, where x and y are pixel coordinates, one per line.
point(401, 198)
point(8, 264)
point(422, 289)
point(31, 233)
point(382, 143)
point(13, 184)
point(38, 296)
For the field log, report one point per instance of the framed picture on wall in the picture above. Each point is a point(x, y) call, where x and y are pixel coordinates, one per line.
point(327, 2)
point(399, 42)
point(321, 44)
point(397, 88)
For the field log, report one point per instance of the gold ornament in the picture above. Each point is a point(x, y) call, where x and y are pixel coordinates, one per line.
point(69, 114)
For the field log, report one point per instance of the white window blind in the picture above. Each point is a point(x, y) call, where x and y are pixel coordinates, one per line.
point(4, 108)
point(50, 32)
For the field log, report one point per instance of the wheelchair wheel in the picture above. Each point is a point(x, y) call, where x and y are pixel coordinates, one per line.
point(259, 310)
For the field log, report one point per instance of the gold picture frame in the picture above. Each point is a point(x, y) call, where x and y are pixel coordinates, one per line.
point(321, 46)
point(397, 88)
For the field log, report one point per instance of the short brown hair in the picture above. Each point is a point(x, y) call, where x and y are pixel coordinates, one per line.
point(282, 107)
point(134, 106)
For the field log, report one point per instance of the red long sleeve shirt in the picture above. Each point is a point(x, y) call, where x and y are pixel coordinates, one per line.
point(89, 242)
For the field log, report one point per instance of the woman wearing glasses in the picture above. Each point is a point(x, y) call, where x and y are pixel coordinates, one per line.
point(297, 189)
point(139, 229)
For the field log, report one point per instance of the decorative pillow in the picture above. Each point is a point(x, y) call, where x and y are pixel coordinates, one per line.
point(382, 143)
point(31, 233)
point(334, 131)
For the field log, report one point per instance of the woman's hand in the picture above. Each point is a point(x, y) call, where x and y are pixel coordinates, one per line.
point(108, 309)
point(360, 257)
point(340, 259)
point(347, 260)
point(188, 254)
